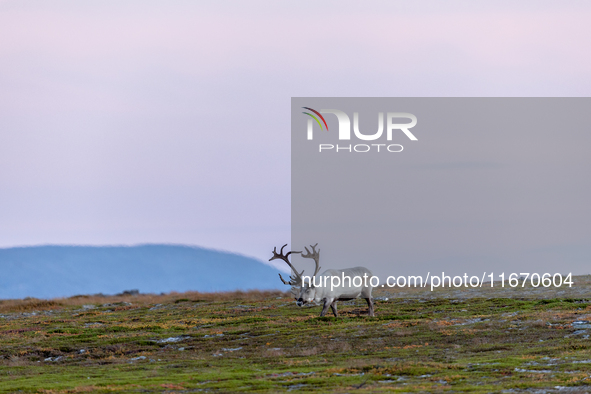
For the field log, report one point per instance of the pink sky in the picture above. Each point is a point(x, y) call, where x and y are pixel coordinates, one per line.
point(131, 122)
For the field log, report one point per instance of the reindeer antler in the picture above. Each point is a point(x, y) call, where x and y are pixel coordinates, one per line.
point(314, 255)
point(295, 280)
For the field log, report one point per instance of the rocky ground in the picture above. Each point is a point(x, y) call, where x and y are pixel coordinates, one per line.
point(484, 340)
point(580, 289)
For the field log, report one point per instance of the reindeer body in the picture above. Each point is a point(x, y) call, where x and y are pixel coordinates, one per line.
point(321, 291)
point(345, 291)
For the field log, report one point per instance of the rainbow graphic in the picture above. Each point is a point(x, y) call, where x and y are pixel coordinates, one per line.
point(315, 118)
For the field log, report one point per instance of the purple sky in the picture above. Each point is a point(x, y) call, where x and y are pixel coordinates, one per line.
point(126, 122)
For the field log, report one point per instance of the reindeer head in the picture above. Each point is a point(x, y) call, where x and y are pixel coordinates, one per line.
point(307, 294)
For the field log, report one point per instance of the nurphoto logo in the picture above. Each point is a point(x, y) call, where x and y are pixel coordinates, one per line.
point(344, 130)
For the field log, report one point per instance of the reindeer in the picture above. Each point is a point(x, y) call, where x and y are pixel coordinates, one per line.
point(308, 292)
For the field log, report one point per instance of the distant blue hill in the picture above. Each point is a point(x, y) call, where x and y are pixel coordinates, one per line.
point(57, 271)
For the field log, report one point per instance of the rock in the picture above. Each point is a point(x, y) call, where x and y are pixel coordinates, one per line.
point(581, 324)
point(129, 292)
point(174, 339)
point(231, 350)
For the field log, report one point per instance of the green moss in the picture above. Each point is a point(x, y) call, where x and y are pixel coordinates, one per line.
point(412, 345)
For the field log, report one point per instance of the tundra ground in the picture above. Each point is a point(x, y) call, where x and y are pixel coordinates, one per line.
point(481, 341)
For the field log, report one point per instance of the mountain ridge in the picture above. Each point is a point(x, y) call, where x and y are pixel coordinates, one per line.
point(49, 271)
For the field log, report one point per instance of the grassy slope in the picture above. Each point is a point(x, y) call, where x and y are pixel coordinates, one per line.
point(262, 342)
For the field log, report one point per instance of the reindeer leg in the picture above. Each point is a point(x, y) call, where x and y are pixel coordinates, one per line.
point(327, 303)
point(369, 306)
point(333, 306)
